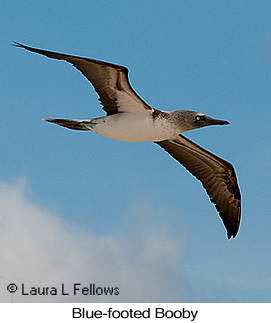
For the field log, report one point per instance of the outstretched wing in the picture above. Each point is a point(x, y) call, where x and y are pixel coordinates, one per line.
point(216, 175)
point(109, 80)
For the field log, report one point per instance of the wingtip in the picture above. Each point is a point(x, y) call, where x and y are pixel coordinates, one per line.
point(49, 120)
point(16, 44)
point(20, 45)
point(232, 234)
point(234, 229)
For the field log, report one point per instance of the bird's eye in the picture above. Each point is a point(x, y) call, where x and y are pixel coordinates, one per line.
point(198, 118)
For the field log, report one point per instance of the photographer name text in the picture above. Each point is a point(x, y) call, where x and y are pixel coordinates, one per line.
point(75, 289)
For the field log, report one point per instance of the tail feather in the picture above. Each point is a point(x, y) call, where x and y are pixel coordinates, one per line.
point(72, 124)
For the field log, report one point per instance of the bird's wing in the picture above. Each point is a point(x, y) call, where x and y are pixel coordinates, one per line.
point(109, 80)
point(216, 175)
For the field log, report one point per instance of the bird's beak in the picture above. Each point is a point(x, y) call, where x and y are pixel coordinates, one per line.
point(212, 122)
point(205, 121)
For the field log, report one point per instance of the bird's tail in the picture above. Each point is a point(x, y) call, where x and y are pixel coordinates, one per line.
point(73, 124)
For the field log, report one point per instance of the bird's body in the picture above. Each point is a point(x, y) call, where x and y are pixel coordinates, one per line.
point(131, 119)
point(141, 127)
point(149, 125)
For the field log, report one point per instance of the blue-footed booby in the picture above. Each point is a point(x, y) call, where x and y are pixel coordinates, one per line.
point(129, 118)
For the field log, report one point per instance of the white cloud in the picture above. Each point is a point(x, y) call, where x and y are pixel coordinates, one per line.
point(40, 249)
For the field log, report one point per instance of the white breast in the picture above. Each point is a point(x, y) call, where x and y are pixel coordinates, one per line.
point(133, 127)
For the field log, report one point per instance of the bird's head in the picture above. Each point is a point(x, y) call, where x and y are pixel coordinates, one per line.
point(190, 120)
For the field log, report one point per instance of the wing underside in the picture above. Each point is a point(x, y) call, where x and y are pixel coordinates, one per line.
point(110, 81)
point(216, 175)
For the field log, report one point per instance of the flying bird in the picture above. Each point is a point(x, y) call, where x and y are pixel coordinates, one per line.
point(129, 118)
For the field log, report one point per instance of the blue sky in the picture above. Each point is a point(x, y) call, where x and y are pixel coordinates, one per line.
point(79, 207)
